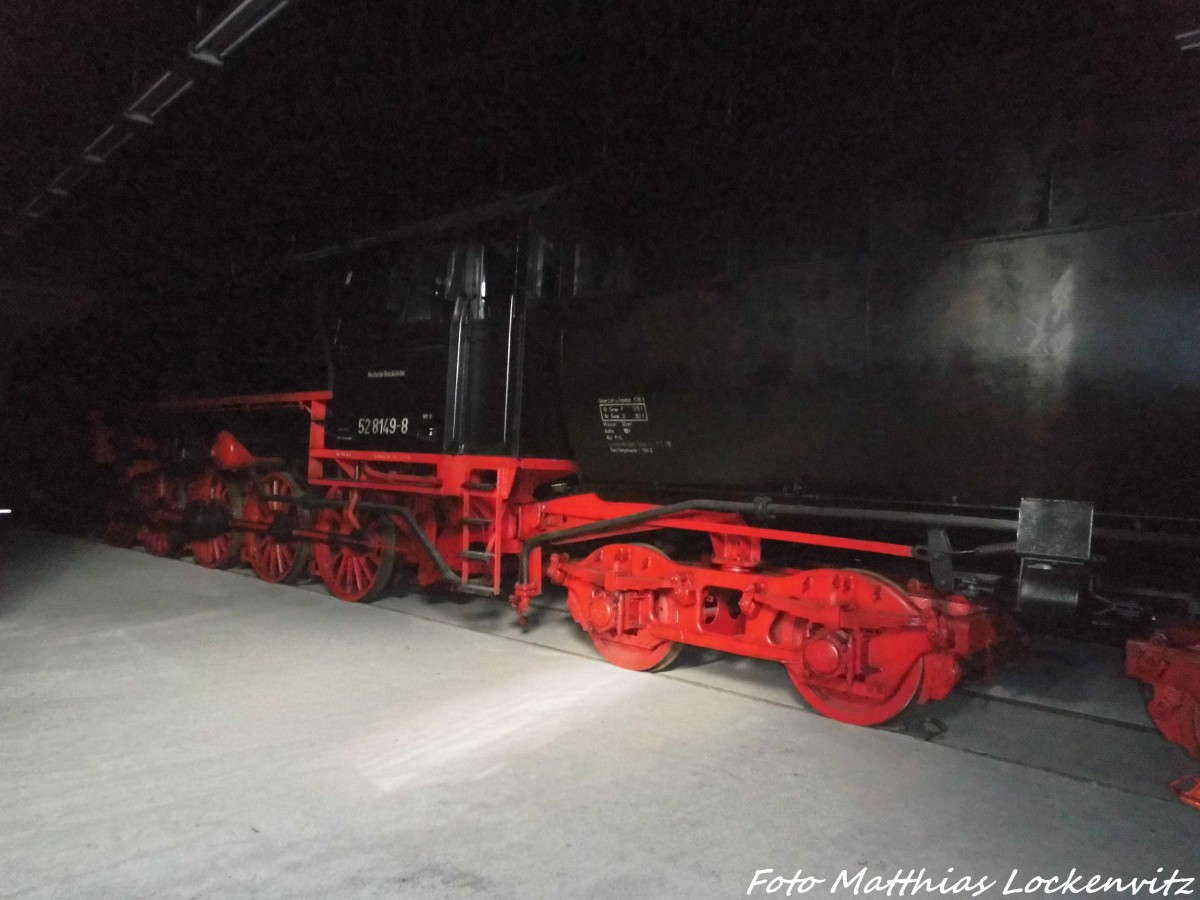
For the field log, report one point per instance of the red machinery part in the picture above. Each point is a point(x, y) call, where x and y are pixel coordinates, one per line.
point(1187, 789)
point(858, 648)
point(1169, 661)
point(231, 454)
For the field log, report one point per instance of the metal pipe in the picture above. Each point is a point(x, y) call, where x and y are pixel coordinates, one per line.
point(508, 372)
point(761, 508)
point(864, 515)
point(419, 533)
point(1147, 537)
point(731, 506)
point(386, 509)
point(660, 512)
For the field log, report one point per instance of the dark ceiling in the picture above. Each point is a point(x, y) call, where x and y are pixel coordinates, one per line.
point(343, 118)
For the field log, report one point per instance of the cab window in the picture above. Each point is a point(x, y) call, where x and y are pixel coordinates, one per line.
point(549, 268)
point(417, 286)
point(597, 268)
point(498, 278)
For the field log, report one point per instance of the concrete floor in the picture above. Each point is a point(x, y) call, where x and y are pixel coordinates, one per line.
point(173, 732)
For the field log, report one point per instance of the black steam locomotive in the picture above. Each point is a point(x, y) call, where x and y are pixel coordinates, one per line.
point(970, 386)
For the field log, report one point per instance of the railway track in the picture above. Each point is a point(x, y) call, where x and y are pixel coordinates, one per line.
point(1110, 751)
point(1015, 720)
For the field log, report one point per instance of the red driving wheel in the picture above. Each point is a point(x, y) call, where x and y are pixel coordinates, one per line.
point(215, 491)
point(272, 558)
point(355, 559)
point(121, 518)
point(157, 494)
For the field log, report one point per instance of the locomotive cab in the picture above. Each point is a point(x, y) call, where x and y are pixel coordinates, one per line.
point(443, 343)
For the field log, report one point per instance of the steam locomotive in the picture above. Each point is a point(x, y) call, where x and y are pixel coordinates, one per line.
point(497, 395)
point(870, 459)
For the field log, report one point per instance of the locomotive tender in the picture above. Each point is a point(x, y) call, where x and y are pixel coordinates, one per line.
point(877, 455)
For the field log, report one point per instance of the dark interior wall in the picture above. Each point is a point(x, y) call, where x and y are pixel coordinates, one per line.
point(724, 135)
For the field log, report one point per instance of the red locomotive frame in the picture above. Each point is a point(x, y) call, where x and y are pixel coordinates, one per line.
point(858, 647)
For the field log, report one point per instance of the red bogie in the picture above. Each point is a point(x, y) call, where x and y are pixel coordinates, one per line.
point(857, 647)
point(1187, 789)
point(1169, 662)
